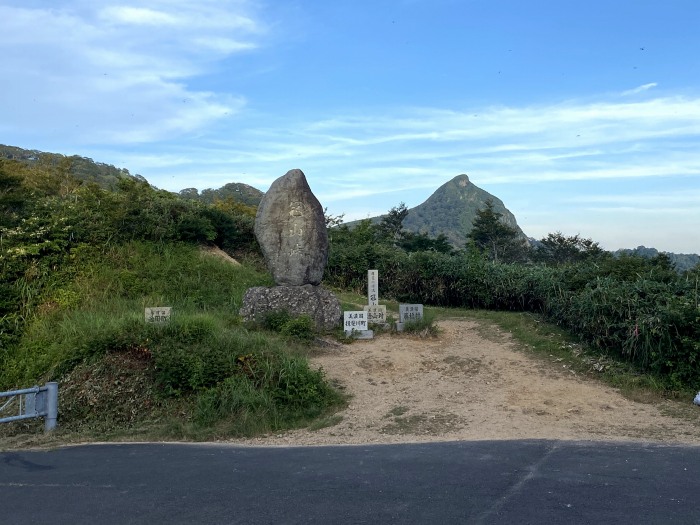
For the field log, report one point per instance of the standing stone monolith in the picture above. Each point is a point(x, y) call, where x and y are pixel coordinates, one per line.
point(291, 230)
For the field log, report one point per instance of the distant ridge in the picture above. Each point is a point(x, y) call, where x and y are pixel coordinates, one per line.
point(106, 175)
point(82, 168)
point(237, 191)
point(451, 210)
point(681, 261)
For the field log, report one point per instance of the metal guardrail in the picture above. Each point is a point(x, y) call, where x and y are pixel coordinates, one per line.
point(39, 401)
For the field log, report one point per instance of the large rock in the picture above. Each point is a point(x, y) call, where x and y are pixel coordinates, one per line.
point(291, 229)
point(315, 301)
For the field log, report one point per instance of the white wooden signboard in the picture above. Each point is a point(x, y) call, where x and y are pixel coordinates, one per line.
point(410, 312)
point(373, 287)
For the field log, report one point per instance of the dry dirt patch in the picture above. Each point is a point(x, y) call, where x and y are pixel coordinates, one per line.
point(461, 386)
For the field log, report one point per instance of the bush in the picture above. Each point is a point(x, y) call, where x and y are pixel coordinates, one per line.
point(630, 307)
point(301, 328)
point(282, 322)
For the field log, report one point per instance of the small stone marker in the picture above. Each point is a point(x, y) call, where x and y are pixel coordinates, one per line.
point(373, 287)
point(158, 314)
point(355, 321)
point(410, 312)
point(376, 314)
point(355, 325)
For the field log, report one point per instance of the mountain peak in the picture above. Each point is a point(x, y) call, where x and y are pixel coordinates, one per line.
point(451, 210)
point(461, 180)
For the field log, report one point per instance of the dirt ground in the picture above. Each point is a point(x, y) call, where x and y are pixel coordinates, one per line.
point(463, 386)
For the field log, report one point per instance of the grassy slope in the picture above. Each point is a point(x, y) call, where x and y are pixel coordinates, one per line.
point(201, 376)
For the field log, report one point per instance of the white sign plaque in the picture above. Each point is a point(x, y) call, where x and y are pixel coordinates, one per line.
point(355, 321)
point(410, 312)
point(373, 287)
point(158, 314)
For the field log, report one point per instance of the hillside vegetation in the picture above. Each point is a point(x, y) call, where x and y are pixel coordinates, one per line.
point(83, 169)
point(79, 265)
point(79, 262)
point(629, 307)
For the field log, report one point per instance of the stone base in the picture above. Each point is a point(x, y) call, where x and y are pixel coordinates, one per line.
point(315, 301)
point(360, 334)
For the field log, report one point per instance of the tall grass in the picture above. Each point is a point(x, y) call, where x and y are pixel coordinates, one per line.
point(628, 308)
point(224, 374)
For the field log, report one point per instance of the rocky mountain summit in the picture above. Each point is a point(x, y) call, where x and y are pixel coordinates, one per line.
point(451, 210)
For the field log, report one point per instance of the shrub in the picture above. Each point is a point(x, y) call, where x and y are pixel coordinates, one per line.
point(301, 328)
point(424, 327)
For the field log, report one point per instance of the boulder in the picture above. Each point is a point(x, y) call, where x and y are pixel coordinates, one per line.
point(291, 229)
point(315, 301)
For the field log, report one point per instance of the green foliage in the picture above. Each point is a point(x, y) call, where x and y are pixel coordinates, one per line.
point(301, 328)
point(424, 327)
point(276, 320)
point(100, 293)
point(231, 192)
point(558, 249)
point(494, 238)
point(50, 217)
point(73, 168)
point(219, 372)
point(282, 322)
point(635, 308)
point(422, 242)
point(391, 226)
point(271, 391)
point(13, 196)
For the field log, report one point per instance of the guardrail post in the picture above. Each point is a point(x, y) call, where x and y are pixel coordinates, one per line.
point(51, 406)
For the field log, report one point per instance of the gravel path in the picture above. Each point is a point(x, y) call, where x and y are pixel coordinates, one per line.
point(462, 386)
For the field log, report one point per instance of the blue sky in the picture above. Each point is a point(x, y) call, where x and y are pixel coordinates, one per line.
point(583, 117)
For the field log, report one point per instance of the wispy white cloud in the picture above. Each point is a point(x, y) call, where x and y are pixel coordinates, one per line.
point(640, 89)
point(120, 73)
point(137, 16)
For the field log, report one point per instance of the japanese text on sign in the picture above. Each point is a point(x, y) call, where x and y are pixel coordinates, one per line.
point(159, 314)
point(373, 287)
point(410, 312)
point(376, 314)
point(355, 321)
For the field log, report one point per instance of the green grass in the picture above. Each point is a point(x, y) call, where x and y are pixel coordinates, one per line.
point(203, 375)
point(424, 327)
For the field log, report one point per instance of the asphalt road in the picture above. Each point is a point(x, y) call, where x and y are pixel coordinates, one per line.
point(466, 482)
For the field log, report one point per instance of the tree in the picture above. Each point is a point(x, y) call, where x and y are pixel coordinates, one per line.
point(559, 249)
point(13, 196)
point(494, 238)
point(362, 233)
point(391, 226)
point(332, 220)
point(421, 242)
